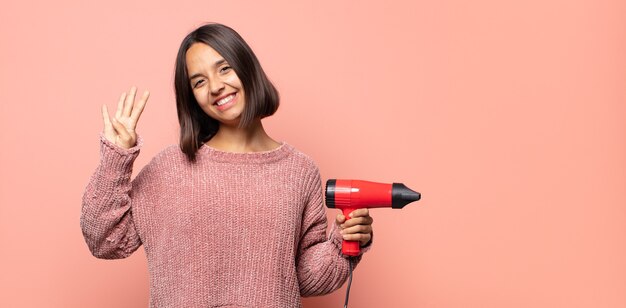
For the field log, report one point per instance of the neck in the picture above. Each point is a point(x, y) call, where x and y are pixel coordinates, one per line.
point(249, 139)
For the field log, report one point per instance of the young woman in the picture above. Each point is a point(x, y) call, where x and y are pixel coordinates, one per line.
point(230, 217)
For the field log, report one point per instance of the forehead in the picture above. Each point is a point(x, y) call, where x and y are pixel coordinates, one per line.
point(201, 55)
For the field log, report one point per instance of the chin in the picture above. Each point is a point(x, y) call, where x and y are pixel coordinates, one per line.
point(230, 121)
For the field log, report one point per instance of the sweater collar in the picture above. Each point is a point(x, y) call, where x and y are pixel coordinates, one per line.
point(214, 154)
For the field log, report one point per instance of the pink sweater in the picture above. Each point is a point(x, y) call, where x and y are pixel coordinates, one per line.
point(231, 230)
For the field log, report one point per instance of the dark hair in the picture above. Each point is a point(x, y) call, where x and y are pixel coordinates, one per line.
point(262, 99)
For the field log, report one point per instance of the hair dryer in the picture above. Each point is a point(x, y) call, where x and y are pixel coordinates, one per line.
point(349, 195)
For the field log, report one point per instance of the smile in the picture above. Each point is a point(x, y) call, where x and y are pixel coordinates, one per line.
point(225, 100)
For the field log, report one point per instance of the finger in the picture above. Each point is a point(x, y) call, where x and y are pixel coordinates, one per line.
point(120, 105)
point(134, 117)
point(121, 131)
point(364, 229)
point(363, 238)
point(358, 221)
point(360, 213)
point(108, 127)
point(130, 100)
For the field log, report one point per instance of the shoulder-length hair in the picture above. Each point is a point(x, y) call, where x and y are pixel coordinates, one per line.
point(261, 98)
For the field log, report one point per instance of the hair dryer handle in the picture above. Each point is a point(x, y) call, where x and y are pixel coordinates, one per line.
point(350, 248)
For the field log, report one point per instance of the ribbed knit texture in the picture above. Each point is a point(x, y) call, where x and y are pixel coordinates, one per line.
point(230, 230)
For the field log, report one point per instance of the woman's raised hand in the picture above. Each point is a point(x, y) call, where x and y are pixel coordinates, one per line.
point(121, 128)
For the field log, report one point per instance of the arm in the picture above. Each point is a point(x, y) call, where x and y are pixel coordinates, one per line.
point(106, 217)
point(321, 266)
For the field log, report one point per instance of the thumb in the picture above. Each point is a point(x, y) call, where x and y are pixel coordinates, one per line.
point(340, 219)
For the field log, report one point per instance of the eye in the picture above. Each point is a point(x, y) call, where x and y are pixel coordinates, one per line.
point(198, 83)
point(225, 69)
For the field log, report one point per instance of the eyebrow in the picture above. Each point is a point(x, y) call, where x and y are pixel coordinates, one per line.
point(217, 63)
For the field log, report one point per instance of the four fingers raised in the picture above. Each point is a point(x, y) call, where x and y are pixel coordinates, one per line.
point(121, 128)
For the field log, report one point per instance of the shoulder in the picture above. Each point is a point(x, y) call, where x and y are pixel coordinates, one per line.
point(167, 159)
point(171, 153)
point(302, 160)
point(310, 179)
point(306, 169)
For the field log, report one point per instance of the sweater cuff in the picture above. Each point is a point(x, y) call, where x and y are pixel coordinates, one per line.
point(114, 157)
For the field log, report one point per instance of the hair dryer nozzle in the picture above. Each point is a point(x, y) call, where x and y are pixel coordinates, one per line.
point(402, 195)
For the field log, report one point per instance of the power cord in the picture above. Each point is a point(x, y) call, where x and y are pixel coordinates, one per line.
point(350, 260)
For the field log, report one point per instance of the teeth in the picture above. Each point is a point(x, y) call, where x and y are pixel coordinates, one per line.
point(225, 100)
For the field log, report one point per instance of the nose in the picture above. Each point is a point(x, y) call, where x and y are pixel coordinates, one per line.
point(216, 85)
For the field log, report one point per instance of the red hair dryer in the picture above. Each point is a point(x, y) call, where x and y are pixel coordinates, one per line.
point(349, 195)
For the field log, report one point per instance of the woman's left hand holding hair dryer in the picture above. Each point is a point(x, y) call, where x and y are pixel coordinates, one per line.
point(121, 129)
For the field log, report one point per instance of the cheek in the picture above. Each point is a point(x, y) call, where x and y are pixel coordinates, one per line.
point(234, 81)
point(201, 99)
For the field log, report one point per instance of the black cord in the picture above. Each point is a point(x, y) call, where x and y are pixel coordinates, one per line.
point(349, 283)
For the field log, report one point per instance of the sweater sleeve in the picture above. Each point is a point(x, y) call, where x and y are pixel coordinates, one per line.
point(321, 266)
point(106, 216)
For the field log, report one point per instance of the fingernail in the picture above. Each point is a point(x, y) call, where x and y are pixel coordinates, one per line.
point(345, 236)
point(341, 232)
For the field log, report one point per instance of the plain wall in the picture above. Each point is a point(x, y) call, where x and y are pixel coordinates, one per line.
point(508, 116)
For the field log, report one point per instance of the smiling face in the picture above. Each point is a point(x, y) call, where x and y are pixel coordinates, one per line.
point(215, 84)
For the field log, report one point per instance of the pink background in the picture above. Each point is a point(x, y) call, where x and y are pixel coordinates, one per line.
point(509, 118)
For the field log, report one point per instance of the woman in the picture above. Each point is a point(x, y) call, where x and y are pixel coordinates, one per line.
point(230, 217)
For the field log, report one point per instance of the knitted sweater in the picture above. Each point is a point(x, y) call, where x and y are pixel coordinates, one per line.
point(230, 230)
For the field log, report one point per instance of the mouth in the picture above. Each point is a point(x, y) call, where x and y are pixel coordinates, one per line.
point(224, 100)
